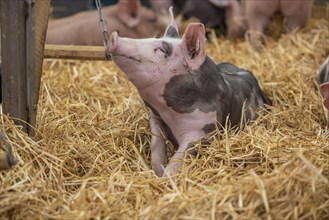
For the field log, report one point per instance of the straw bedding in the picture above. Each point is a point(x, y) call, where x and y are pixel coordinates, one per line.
point(91, 157)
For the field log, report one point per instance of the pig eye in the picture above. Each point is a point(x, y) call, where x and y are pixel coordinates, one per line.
point(161, 52)
point(164, 51)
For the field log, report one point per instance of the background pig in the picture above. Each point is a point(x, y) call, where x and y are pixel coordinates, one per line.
point(187, 92)
point(226, 16)
point(323, 80)
point(296, 14)
point(127, 17)
point(161, 6)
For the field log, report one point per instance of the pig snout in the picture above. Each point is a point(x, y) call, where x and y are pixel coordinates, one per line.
point(112, 46)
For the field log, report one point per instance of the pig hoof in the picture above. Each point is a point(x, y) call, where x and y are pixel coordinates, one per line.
point(172, 169)
point(256, 40)
point(158, 170)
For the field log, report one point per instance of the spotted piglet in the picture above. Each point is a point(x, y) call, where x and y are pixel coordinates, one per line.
point(187, 92)
point(323, 80)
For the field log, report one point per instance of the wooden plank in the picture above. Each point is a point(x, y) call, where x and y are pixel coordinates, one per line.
point(74, 52)
point(30, 59)
point(36, 28)
point(13, 59)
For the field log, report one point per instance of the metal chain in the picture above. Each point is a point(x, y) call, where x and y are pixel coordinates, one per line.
point(104, 31)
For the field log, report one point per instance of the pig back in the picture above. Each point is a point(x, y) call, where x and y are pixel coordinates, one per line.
point(245, 92)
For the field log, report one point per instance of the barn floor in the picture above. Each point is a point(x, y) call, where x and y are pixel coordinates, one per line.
point(91, 157)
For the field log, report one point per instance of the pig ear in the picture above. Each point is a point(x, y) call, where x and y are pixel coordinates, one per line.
point(129, 12)
point(193, 45)
point(172, 29)
point(324, 88)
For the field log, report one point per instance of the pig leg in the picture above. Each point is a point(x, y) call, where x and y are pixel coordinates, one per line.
point(176, 161)
point(186, 145)
point(296, 13)
point(258, 14)
point(293, 22)
point(237, 24)
point(158, 147)
point(257, 24)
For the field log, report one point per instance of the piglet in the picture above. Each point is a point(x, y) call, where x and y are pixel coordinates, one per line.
point(188, 94)
point(296, 14)
point(128, 18)
point(226, 16)
point(323, 80)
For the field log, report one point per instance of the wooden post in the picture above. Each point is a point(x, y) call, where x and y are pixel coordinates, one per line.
point(13, 56)
point(24, 26)
point(36, 29)
point(31, 79)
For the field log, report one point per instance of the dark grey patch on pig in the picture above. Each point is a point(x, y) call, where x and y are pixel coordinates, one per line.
point(245, 88)
point(167, 47)
point(167, 131)
point(222, 88)
point(209, 128)
point(324, 73)
point(172, 32)
point(191, 146)
point(229, 68)
point(201, 89)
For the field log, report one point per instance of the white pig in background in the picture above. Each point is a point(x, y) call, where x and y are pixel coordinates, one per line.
point(296, 14)
point(128, 17)
point(188, 94)
point(323, 80)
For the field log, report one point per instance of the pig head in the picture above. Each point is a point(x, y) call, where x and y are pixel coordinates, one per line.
point(128, 17)
point(187, 93)
point(323, 80)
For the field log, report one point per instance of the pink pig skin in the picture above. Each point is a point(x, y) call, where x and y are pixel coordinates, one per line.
point(187, 93)
point(296, 14)
point(128, 18)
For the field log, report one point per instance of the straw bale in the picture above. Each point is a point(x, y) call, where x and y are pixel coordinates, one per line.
point(91, 157)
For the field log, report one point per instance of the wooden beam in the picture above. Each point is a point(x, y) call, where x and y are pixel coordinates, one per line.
point(74, 52)
point(36, 29)
point(24, 26)
point(13, 54)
